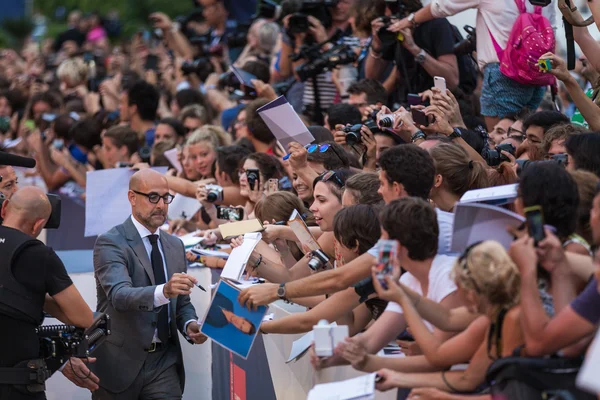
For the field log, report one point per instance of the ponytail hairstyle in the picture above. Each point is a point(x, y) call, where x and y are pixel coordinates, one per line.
point(503, 174)
point(460, 174)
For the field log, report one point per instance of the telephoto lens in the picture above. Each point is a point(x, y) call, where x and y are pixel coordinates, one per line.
point(387, 121)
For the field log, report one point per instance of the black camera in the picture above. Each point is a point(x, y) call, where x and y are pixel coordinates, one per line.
point(468, 45)
point(300, 10)
point(232, 85)
point(364, 289)
point(215, 193)
point(318, 260)
point(338, 55)
point(495, 157)
point(353, 132)
point(200, 66)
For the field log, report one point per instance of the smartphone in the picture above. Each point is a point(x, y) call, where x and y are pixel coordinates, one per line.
point(388, 250)
point(230, 213)
point(440, 83)
point(414, 99)
point(535, 223)
point(272, 186)
point(419, 117)
point(253, 175)
point(151, 62)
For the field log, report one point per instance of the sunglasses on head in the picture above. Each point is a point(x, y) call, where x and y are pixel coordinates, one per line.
point(311, 148)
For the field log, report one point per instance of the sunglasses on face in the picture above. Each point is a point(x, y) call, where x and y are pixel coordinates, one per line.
point(154, 197)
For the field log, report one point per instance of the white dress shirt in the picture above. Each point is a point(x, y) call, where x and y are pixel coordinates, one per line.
point(159, 296)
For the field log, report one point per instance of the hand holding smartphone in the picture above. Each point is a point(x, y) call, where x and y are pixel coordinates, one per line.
point(388, 251)
point(535, 223)
point(253, 176)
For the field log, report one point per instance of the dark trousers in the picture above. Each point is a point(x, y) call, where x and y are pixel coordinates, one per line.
point(158, 379)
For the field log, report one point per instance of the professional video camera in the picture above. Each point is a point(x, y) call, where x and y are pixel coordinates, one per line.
point(468, 45)
point(58, 343)
point(55, 202)
point(495, 157)
point(301, 9)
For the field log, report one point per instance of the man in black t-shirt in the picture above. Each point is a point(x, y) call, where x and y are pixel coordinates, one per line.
point(427, 50)
point(73, 34)
point(43, 276)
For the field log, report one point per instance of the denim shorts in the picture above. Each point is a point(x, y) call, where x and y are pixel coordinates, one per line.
point(501, 95)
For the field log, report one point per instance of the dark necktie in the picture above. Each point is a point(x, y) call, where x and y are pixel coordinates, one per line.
point(159, 279)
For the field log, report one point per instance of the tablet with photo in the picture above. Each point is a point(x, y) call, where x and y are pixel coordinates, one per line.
point(229, 324)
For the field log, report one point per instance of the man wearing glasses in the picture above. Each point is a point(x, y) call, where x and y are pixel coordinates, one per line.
point(142, 285)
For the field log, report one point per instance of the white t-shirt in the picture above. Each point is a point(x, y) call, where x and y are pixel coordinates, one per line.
point(440, 283)
point(495, 16)
point(445, 226)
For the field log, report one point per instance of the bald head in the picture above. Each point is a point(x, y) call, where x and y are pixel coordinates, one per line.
point(145, 179)
point(28, 210)
point(30, 203)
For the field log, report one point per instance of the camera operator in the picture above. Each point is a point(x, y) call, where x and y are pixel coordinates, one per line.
point(427, 50)
point(33, 280)
point(317, 32)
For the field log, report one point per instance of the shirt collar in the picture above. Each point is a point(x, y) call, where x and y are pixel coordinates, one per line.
point(142, 230)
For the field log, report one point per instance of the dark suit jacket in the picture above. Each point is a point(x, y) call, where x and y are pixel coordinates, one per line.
point(125, 288)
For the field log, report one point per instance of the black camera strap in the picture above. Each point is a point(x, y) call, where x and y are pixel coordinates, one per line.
point(402, 64)
point(570, 44)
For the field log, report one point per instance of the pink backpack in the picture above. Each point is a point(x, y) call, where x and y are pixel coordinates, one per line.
point(531, 36)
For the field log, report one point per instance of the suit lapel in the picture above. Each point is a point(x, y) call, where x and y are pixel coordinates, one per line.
point(169, 253)
point(135, 242)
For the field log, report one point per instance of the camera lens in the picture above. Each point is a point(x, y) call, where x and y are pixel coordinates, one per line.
point(386, 121)
point(212, 196)
point(352, 138)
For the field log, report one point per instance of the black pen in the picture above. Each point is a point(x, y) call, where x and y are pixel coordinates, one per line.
point(199, 286)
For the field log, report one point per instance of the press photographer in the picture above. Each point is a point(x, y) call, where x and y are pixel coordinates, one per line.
point(307, 23)
point(419, 51)
point(33, 280)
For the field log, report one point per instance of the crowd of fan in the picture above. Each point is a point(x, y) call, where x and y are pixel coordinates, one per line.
point(83, 103)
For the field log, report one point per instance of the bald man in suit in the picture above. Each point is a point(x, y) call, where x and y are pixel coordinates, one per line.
point(142, 284)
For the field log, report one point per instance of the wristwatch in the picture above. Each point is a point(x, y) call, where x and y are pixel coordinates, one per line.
point(418, 135)
point(411, 19)
point(420, 57)
point(281, 292)
point(455, 134)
